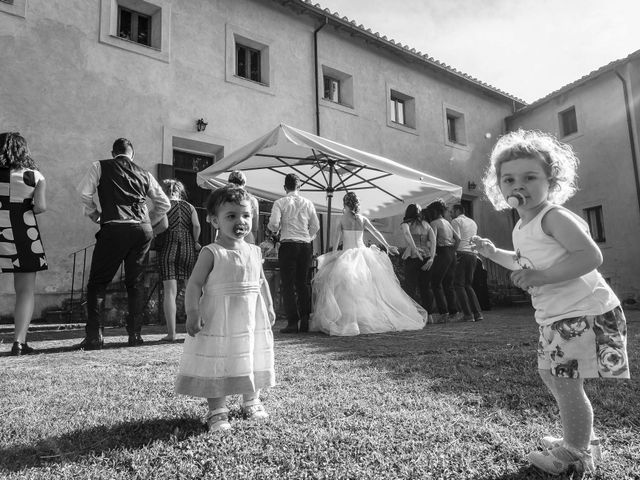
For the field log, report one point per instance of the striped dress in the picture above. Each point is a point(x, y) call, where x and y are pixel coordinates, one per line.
point(233, 353)
point(178, 255)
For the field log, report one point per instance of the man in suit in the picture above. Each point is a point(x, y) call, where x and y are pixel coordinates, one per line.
point(124, 236)
point(296, 219)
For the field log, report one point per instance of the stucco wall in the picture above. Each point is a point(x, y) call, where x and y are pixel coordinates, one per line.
point(606, 175)
point(71, 95)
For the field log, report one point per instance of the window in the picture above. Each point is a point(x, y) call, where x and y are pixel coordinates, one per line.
point(594, 219)
point(568, 122)
point(14, 7)
point(451, 129)
point(455, 127)
point(337, 89)
point(396, 108)
point(138, 26)
point(248, 63)
point(134, 26)
point(331, 89)
point(247, 60)
point(401, 111)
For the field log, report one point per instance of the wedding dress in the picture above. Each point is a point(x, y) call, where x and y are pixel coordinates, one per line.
point(356, 291)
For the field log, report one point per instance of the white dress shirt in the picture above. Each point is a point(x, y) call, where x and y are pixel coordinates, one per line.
point(89, 185)
point(466, 228)
point(295, 217)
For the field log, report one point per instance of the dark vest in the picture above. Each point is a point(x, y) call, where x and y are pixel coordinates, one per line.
point(122, 191)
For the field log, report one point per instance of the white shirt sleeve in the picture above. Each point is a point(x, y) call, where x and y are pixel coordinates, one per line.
point(88, 187)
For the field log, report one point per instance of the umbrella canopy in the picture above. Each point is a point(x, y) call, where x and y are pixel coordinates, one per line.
point(384, 187)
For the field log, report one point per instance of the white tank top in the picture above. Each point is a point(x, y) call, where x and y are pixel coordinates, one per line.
point(585, 295)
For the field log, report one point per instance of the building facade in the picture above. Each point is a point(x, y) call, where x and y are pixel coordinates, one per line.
point(598, 116)
point(82, 73)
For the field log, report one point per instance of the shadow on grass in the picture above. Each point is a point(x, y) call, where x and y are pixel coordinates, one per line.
point(97, 440)
point(490, 364)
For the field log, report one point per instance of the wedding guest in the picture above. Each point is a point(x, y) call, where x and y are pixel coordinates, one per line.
point(178, 252)
point(418, 256)
point(21, 251)
point(125, 234)
point(466, 260)
point(295, 218)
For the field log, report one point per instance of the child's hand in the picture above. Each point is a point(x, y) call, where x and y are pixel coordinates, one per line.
point(392, 250)
point(483, 246)
point(527, 278)
point(193, 324)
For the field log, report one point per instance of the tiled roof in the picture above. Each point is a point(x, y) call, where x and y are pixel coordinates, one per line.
point(581, 81)
point(336, 19)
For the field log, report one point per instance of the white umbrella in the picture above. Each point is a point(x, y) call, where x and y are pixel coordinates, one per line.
point(384, 187)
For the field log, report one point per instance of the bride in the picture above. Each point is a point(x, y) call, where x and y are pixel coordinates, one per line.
point(356, 290)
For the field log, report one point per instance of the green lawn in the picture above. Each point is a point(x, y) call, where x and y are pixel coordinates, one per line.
point(453, 401)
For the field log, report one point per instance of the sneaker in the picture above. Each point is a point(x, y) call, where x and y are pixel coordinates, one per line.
point(478, 317)
point(254, 410)
point(552, 442)
point(467, 318)
point(559, 460)
point(218, 420)
point(21, 349)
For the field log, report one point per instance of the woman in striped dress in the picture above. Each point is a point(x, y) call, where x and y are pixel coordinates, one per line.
point(178, 252)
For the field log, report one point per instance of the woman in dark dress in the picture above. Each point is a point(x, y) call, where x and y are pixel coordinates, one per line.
point(178, 252)
point(22, 197)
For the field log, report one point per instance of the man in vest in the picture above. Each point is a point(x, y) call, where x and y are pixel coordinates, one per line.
point(124, 236)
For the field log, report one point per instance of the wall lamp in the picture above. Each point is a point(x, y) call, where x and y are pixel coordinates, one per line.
point(201, 125)
point(471, 185)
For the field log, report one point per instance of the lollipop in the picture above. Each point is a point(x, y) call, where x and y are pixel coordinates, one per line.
point(516, 200)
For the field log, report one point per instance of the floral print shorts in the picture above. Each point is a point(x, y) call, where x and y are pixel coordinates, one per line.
point(585, 347)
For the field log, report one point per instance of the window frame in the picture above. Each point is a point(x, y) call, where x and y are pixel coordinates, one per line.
point(345, 80)
point(249, 64)
point(562, 116)
point(249, 39)
point(455, 115)
point(134, 25)
point(395, 97)
point(595, 223)
point(16, 8)
point(159, 11)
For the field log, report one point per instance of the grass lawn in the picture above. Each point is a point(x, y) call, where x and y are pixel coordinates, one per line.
point(452, 401)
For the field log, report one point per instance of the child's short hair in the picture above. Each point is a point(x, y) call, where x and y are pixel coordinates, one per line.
point(558, 160)
point(226, 194)
point(291, 182)
point(14, 152)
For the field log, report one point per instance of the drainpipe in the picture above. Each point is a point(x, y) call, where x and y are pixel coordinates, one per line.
point(315, 64)
point(634, 157)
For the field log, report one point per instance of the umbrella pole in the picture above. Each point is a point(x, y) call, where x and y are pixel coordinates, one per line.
point(329, 197)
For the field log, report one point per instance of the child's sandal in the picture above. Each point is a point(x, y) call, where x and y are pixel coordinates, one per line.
point(559, 460)
point(218, 420)
point(254, 410)
point(550, 442)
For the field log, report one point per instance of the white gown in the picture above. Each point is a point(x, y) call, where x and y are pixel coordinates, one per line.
point(356, 291)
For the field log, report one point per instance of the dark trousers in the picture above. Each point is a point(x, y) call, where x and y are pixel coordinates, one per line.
point(295, 260)
point(117, 243)
point(465, 269)
point(418, 282)
point(442, 273)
